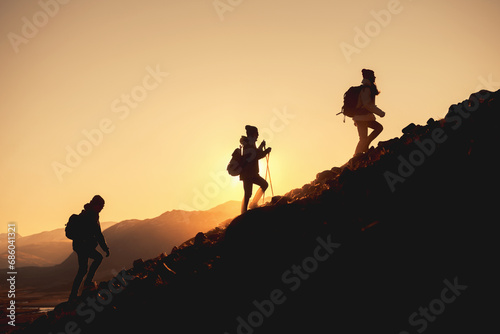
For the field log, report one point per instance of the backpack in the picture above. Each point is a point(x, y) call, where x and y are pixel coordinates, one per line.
point(235, 165)
point(351, 98)
point(75, 228)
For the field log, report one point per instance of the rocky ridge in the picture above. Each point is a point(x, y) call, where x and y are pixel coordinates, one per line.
point(366, 247)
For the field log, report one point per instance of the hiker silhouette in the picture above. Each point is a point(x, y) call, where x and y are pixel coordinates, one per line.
point(250, 170)
point(85, 240)
point(366, 101)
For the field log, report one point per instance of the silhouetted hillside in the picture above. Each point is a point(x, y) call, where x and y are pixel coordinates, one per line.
point(399, 240)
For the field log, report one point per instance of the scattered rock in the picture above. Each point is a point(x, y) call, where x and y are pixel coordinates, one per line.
point(138, 264)
point(199, 239)
point(409, 128)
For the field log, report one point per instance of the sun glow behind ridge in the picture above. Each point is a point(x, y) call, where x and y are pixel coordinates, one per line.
point(263, 61)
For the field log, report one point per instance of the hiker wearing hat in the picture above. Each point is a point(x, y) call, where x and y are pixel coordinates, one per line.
point(250, 170)
point(367, 120)
point(86, 236)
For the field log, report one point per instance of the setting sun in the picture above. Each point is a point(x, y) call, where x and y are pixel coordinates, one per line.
point(147, 148)
point(144, 103)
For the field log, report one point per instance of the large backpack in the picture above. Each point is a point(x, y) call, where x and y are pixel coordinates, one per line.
point(236, 163)
point(351, 98)
point(76, 228)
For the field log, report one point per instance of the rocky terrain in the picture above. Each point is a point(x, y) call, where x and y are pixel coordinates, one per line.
point(398, 240)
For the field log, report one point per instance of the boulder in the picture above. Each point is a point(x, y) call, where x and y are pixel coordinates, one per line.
point(138, 264)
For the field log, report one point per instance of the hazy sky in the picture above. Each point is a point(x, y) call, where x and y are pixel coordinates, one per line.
point(143, 102)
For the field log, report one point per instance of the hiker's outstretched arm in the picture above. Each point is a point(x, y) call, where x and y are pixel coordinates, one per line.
point(100, 238)
point(368, 103)
point(262, 153)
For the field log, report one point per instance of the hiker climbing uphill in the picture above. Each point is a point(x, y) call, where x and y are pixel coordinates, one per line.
point(359, 103)
point(250, 169)
point(85, 231)
point(367, 120)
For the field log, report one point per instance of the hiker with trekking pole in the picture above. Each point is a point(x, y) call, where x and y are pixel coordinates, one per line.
point(246, 165)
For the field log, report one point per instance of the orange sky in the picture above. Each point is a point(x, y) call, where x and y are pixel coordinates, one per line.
point(143, 102)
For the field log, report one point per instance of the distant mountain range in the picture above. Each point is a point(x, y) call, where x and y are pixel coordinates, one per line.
point(41, 249)
point(128, 240)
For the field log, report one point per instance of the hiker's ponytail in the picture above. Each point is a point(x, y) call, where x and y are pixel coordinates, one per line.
point(373, 89)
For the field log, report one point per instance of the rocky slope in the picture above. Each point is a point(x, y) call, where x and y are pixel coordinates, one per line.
point(128, 240)
point(398, 240)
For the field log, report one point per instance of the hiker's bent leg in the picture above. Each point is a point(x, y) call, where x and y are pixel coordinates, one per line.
point(82, 270)
point(262, 183)
point(258, 194)
point(377, 129)
point(363, 137)
point(93, 267)
point(247, 187)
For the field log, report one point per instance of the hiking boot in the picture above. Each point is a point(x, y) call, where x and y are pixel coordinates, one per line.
point(72, 299)
point(253, 205)
point(89, 286)
point(255, 201)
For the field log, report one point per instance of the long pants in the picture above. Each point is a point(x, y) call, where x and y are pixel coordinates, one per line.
point(248, 187)
point(83, 258)
point(365, 139)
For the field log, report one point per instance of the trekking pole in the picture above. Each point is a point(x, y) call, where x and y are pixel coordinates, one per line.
point(265, 178)
point(264, 193)
point(268, 171)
